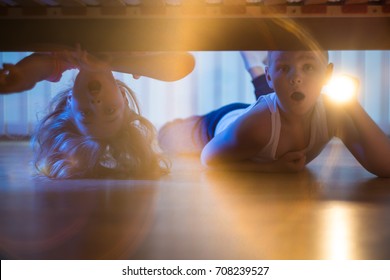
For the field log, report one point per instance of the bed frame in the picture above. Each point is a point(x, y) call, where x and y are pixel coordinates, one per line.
point(158, 25)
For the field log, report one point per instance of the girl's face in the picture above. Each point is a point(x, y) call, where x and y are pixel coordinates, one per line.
point(97, 104)
point(297, 78)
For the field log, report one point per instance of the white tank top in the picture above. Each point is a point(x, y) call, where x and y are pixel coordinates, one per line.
point(319, 135)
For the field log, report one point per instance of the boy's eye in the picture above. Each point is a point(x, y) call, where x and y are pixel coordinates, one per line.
point(308, 67)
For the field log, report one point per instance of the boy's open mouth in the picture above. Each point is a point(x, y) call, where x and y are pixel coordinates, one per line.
point(297, 96)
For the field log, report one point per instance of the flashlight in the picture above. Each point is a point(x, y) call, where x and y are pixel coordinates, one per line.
point(341, 89)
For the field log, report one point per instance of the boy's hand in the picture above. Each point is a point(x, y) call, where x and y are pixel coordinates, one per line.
point(12, 79)
point(340, 109)
point(291, 162)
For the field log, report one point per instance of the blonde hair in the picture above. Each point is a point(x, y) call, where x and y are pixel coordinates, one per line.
point(61, 151)
point(323, 53)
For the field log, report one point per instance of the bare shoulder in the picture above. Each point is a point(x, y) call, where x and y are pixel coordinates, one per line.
point(255, 126)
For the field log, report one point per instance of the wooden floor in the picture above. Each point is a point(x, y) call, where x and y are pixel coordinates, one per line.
point(334, 210)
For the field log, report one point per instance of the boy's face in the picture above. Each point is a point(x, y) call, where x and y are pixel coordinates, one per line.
point(297, 78)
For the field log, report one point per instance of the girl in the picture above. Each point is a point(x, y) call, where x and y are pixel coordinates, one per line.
point(95, 129)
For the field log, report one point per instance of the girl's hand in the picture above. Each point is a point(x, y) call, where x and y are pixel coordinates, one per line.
point(86, 61)
point(97, 62)
point(12, 79)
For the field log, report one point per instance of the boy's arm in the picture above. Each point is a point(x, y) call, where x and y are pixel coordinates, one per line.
point(290, 162)
point(364, 139)
point(164, 66)
point(234, 148)
point(240, 140)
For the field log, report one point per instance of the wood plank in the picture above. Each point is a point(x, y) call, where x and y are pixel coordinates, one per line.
point(112, 3)
point(335, 209)
point(194, 25)
point(71, 3)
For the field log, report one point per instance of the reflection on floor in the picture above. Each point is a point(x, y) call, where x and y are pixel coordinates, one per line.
point(333, 210)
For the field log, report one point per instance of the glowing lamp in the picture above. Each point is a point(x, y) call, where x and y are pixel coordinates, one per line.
point(341, 88)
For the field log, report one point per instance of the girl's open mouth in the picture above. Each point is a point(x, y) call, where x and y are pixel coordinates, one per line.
point(94, 85)
point(297, 96)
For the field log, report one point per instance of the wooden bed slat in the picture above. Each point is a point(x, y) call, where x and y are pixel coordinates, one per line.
point(193, 25)
point(71, 3)
point(27, 3)
point(112, 3)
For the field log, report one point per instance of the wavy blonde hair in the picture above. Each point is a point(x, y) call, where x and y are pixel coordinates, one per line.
point(61, 151)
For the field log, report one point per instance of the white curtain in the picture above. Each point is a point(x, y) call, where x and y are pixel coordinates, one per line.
point(219, 78)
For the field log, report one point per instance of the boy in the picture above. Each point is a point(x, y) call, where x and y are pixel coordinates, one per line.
point(283, 131)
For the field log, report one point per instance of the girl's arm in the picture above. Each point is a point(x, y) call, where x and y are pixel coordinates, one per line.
point(31, 70)
point(50, 66)
point(164, 66)
point(364, 139)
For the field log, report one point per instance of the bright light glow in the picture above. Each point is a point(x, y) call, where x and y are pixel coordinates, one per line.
point(341, 88)
point(338, 232)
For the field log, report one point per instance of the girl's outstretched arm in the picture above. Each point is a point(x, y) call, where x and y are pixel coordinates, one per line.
point(164, 66)
point(31, 70)
point(362, 136)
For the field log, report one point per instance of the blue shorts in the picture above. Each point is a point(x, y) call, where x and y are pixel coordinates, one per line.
point(202, 128)
point(206, 126)
point(208, 123)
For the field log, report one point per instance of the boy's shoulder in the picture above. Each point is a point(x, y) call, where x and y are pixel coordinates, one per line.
point(256, 122)
point(260, 110)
